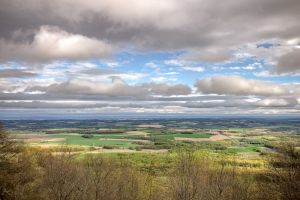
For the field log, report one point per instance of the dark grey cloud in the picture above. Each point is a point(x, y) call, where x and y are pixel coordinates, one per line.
point(100, 72)
point(289, 63)
point(266, 103)
point(30, 95)
point(208, 30)
point(15, 73)
point(166, 89)
point(289, 102)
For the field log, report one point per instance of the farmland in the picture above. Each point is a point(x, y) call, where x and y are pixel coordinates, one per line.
point(153, 159)
point(242, 137)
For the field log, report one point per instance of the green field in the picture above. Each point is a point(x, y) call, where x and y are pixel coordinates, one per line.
point(94, 141)
point(235, 140)
point(181, 135)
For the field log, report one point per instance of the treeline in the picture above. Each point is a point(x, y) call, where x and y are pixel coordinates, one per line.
point(30, 175)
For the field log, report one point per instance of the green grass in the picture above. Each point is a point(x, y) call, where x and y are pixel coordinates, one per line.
point(109, 135)
point(243, 149)
point(241, 129)
point(152, 131)
point(180, 135)
point(78, 140)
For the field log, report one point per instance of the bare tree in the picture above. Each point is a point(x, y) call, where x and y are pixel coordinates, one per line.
point(15, 167)
point(128, 182)
point(101, 174)
point(285, 171)
point(154, 186)
point(63, 178)
point(243, 187)
point(189, 177)
point(220, 181)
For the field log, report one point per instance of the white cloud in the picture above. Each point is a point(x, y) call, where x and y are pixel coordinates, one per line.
point(74, 86)
point(51, 43)
point(235, 68)
point(276, 102)
point(171, 73)
point(194, 69)
point(116, 88)
point(159, 79)
point(236, 85)
point(249, 67)
point(174, 62)
point(153, 66)
point(112, 64)
point(297, 90)
point(265, 73)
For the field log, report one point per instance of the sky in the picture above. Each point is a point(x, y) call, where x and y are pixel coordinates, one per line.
point(178, 57)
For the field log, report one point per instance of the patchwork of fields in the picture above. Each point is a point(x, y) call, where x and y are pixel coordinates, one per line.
point(231, 137)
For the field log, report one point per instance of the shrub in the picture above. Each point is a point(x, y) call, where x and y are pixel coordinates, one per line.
point(87, 136)
point(138, 148)
point(108, 147)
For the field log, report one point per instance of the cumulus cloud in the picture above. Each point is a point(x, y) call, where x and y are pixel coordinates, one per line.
point(236, 85)
point(52, 43)
point(117, 88)
point(191, 34)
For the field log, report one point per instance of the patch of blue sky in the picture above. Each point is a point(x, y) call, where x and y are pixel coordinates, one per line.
point(154, 65)
point(137, 60)
point(160, 70)
point(267, 45)
point(11, 65)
